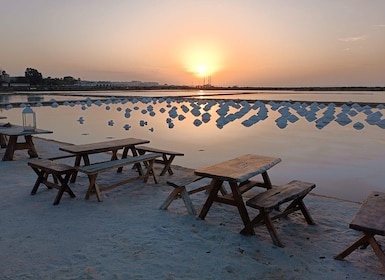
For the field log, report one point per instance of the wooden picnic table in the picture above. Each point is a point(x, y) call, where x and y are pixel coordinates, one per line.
point(84, 150)
point(370, 220)
point(13, 132)
point(237, 173)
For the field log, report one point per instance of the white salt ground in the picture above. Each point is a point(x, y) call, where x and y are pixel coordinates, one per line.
point(127, 237)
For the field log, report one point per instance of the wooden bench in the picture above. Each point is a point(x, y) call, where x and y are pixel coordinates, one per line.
point(370, 220)
point(93, 170)
point(61, 174)
point(167, 157)
point(181, 191)
point(271, 199)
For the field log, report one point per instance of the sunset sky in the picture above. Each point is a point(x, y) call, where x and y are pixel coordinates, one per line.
point(188, 42)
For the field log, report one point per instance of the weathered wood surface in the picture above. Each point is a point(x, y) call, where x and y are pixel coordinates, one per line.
point(167, 157)
point(180, 190)
point(103, 166)
point(272, 198)
point(105, 146)
point(18, 130)
point(60, 174)
point(156, 150)
point(50, 165)
point(269, 200)
point(93, 171)
point(370, 219)
point(183, 181)
point(371, 215)
point(14, 132)
point(238, 169)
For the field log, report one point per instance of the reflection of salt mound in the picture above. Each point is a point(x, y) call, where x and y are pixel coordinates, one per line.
point(373, 118)
point(206, 117)
point(381, 123)
point(173, 113)
point(343, 119)
point(98, 103)
point(54, 105)
point(251, 121)
point(197, 122)
point(358, 125)
point(281, 122)
point(185, 108)
point(292, 118)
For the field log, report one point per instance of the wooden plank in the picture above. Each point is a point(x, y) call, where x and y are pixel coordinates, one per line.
point(103, 166)
point(18, 130)
point(184, 181)
point(157, 150)
point(50, 165)
point(98, 147)
point(238, 169)
point(272, 198)
point(371, 215)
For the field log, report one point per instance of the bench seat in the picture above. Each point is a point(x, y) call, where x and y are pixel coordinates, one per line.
point(167, 157)
point(93, 170)
point(271, 199)
point(60, 173)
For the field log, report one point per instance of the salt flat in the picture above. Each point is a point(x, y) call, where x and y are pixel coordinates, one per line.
point(127, 237)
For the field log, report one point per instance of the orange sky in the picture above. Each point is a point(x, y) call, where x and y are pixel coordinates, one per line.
point(242, 43)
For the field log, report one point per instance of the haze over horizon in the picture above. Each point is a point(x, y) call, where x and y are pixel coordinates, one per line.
point(233, 43)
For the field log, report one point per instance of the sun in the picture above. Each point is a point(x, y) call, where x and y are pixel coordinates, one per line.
point(202, 59)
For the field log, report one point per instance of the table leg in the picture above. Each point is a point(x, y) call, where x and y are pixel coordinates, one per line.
point(237, 196)
point(10, 150)
point(216, 185)
point(31, 146)
point(3, 141)
point(266, 180)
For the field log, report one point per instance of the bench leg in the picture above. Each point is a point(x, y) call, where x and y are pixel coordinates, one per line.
point(295, 205)
point(150, 171)
point(41, 177)
point(93, 188)
point(171, 197)
point(63, 187)
point(186, 199)
point(271, 228)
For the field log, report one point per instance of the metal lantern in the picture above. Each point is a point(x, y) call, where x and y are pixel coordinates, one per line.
point(29, 119)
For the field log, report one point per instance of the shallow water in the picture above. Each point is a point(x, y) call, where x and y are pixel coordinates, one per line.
point(321, 144)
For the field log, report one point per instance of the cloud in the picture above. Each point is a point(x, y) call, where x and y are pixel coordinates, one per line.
point(379, 25)
point(352, 39)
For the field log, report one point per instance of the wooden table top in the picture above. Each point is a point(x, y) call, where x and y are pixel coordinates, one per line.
point(238, 169)
point(18, 130)
point(103, 146)
point(371, 215)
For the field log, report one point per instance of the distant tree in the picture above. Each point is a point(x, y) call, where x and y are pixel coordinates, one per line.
point(68, 80)
point(33, 76)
